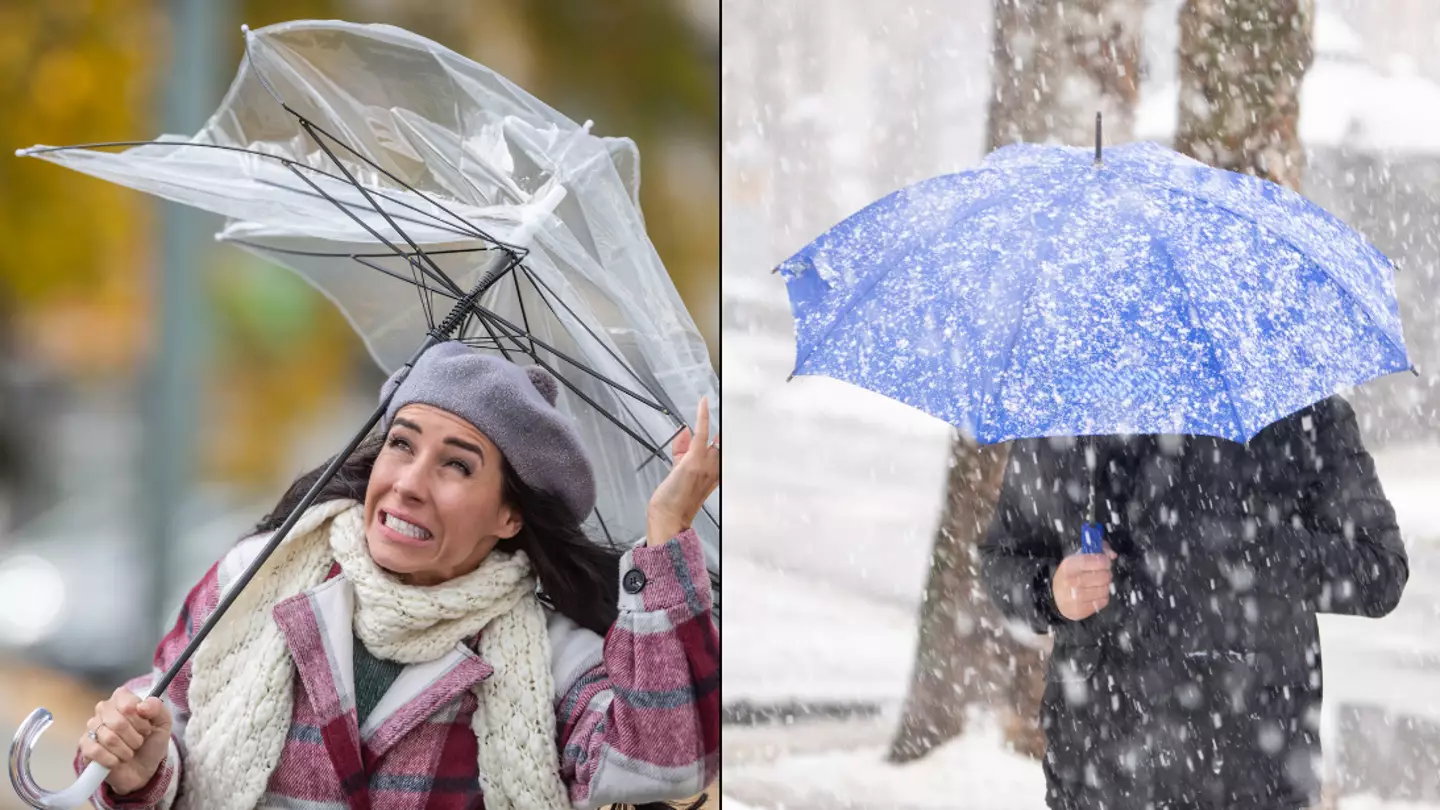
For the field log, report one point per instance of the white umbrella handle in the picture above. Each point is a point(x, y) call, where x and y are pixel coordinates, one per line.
point(32, 794)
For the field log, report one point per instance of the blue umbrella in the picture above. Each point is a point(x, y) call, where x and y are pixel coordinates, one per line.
point(1048, 292)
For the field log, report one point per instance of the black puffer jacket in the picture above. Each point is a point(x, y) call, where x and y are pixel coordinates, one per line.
point(1199, 685)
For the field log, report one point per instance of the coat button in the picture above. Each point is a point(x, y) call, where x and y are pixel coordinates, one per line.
point(634, 581)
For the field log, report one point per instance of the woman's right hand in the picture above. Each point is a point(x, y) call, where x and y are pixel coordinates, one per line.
point(132, 738)
point(1082, 584)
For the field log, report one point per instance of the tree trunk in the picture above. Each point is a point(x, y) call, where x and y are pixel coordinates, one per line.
point(962, 644)
point(1054, 65)
point(1241, 65)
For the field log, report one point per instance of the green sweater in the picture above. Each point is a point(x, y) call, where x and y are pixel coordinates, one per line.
point(373, 677)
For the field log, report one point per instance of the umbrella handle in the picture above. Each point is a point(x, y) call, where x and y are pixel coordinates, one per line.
point(1092, 539)
point(25, 787)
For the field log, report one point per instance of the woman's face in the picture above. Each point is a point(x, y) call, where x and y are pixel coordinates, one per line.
point(434, 505)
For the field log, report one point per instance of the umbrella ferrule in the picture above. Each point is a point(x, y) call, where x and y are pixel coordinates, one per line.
point(1097, 139)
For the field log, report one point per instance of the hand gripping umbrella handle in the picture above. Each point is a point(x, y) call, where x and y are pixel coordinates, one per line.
point(24, 784)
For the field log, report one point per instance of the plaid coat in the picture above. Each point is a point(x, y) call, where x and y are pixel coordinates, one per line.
point(638, 713)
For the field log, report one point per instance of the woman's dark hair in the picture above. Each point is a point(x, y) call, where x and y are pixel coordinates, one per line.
point(579, 578)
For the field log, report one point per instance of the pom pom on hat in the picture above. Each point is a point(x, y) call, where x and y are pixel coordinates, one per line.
point(545, 383)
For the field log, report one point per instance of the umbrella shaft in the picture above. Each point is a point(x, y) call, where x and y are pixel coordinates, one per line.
point(158, 689)
point(498, 268)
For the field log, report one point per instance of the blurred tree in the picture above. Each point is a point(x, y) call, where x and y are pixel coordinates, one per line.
point(1241, 65)
point(74, 72)
point(1054, 65)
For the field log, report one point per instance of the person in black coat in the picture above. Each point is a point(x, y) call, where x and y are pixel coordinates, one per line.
point(1186, 667)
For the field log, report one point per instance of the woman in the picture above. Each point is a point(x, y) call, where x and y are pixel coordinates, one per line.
point(394, 653)
point(1186, 671)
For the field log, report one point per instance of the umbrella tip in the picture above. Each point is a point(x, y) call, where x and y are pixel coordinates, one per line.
point(791, 377)
point(244, 28)
point(1097, 137)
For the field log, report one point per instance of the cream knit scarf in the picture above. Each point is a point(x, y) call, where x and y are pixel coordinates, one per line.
point(241, 694)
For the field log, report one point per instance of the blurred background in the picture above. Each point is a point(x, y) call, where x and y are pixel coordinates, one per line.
point(828, 107)
point(157, 390)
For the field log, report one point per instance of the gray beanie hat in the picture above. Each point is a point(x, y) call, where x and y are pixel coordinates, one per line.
point(513, 406)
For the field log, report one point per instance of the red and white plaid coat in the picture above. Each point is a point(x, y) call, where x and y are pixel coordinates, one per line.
point(638, 714)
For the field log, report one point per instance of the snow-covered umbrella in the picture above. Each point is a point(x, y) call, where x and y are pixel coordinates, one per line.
point(1056, 291)
point(405, 181)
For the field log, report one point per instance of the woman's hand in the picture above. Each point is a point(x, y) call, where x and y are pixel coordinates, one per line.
point(695, 475)
point(132, 738)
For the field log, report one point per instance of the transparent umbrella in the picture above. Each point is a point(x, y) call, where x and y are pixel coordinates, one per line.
point(431, 199)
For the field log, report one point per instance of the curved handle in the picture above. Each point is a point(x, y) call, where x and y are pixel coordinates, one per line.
point(31, 793)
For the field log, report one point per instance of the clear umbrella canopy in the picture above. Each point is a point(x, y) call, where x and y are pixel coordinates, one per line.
point(393, 174)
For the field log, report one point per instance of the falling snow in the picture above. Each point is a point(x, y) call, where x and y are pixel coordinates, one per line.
point(836, 491)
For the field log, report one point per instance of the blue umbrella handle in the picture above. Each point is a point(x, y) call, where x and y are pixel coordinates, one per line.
point(1092, 537)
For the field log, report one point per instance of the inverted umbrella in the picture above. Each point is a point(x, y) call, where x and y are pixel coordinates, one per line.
point(1053, 291)
point(405, 181)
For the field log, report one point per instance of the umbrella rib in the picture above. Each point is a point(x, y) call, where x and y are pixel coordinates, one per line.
point(466, 227)
point(644, 442)
point(412, 280)
point(520, 300)
point(672, 438)
point(1209, 340)
point(538, 283)
point(655, 452)
point(347, 255)
point(309, 128)
point(490, 330)
point(361, 258)
point(1048, 252)
point(572, 361)
point(604, 528)
point(426, 304)
point(313, 127)
point(1360, 304)
point(441, 278)
point(437, 224)
point(672, 414)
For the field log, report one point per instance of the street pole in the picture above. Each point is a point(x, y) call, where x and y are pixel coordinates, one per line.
point(175, 383)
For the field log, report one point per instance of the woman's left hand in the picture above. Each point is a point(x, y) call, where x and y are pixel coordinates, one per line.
point(695, 475)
